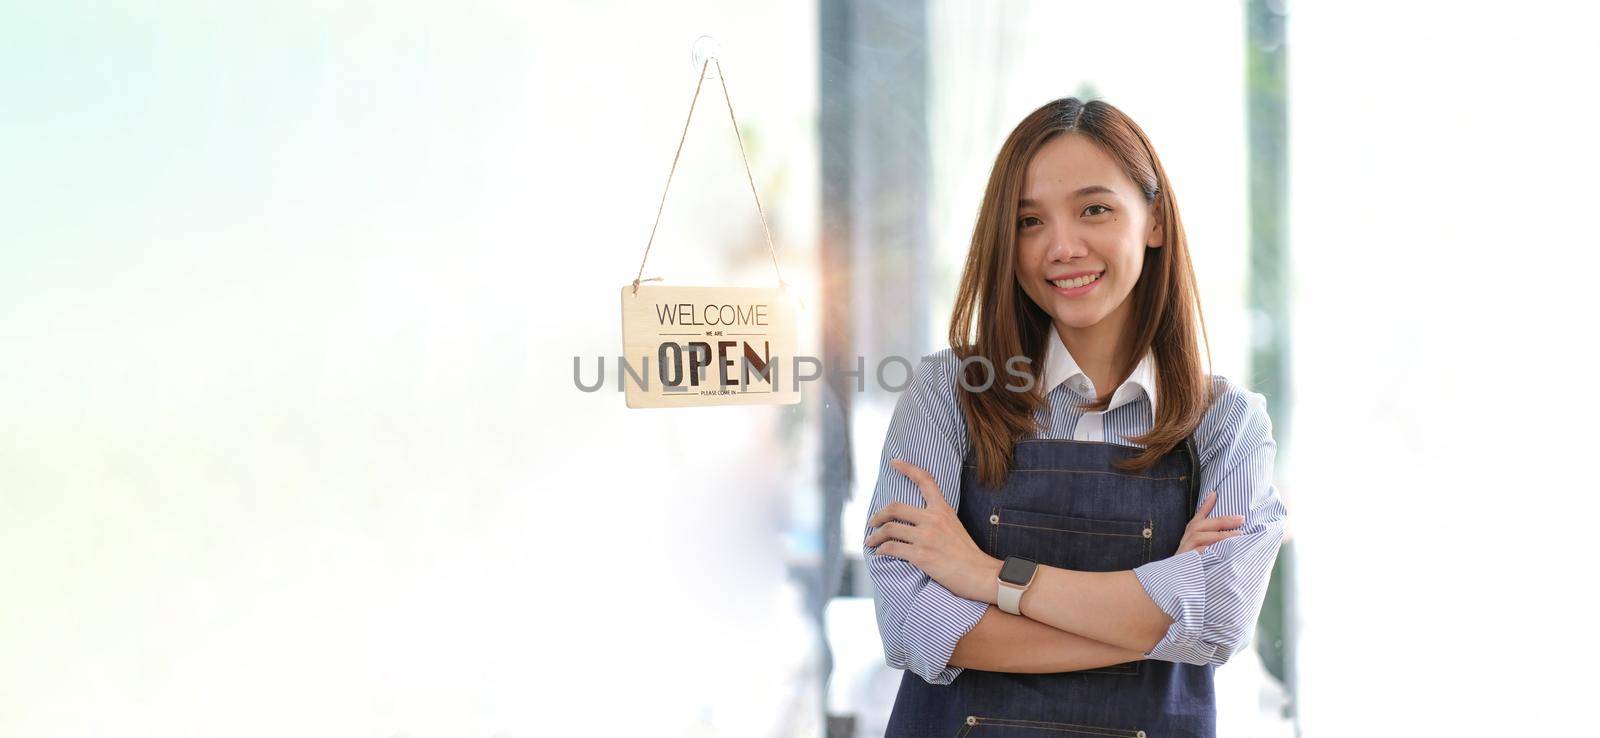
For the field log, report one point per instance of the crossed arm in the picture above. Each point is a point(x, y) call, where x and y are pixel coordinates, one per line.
point(935, 588)
point(1021, 645)
point(1070, 620)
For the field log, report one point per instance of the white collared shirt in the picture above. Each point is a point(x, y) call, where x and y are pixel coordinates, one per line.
point(1059, 366)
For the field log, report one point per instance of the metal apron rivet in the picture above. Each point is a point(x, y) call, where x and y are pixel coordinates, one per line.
point(1147, 532)
point(971, 720)
point(994, 519)
point(1139, 734)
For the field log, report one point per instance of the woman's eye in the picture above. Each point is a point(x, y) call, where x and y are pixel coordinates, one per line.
point(1028, 221)
point(1092, 210)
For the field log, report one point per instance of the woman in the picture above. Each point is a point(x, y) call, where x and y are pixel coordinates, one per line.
point(1043, 558)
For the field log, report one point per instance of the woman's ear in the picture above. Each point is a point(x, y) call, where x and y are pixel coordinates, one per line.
point(1158, 234)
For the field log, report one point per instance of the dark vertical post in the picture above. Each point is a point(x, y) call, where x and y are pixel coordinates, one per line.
point(836, 113)
point(1266, 67)
point(892, 171)
point(872, 71)
point(875, 189)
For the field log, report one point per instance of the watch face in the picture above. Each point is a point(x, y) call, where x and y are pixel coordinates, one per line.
point(1017, 570)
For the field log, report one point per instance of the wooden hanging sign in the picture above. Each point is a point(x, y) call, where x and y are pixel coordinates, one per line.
point(691, 346)
point(697, 346)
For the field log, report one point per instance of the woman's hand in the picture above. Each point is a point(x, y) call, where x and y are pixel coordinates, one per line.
point(1202, 531)
point(932, 539)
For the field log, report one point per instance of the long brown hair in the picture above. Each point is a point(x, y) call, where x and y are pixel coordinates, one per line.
point(994, 319)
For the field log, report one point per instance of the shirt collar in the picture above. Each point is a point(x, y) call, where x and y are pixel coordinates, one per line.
point(1059, 366)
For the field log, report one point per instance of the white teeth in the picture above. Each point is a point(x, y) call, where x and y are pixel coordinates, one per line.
point(1068, 284)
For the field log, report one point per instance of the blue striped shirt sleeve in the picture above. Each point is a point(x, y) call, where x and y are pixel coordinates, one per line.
point(1215, 596)
point(918, 619)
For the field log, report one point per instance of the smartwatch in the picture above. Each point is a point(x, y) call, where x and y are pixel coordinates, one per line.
point(1015, 576)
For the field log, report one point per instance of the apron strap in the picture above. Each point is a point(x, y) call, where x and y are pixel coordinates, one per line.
point(1194, 473)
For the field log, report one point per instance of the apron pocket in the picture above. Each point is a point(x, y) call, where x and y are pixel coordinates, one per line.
point(978, 726)
point(1080, 544)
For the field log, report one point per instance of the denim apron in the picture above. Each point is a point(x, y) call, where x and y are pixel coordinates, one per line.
point(1065, 505)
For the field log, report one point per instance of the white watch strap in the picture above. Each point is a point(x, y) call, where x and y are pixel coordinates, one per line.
point(1010, 597)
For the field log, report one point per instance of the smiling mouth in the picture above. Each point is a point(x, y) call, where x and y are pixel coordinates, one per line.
point(1068, 284)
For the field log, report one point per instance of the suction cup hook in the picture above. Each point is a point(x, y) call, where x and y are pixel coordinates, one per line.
point(706, 47)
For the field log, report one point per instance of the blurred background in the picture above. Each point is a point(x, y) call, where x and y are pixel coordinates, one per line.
point(293, 297)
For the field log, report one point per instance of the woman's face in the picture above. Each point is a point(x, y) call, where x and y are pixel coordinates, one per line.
point(1082, 227)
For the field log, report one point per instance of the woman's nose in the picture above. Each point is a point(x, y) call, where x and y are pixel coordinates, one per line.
point(1065, 247)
